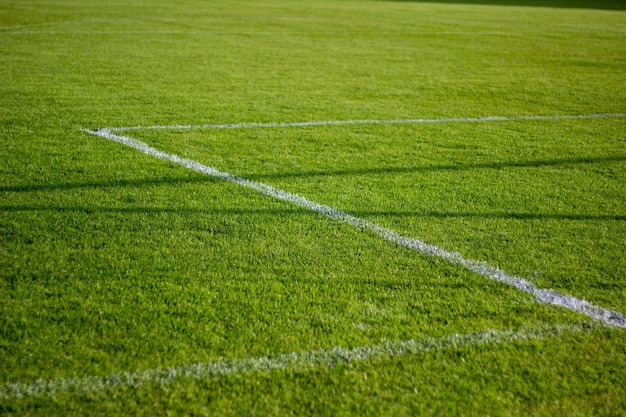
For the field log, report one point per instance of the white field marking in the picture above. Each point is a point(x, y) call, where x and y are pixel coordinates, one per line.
point(543, 295)
point(368, 122)
point(292, 361)
point(244, 33)
point(44, 24)
point(98, 32)
point(17, 31)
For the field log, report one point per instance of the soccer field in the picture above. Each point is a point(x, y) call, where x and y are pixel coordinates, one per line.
point(291, 207)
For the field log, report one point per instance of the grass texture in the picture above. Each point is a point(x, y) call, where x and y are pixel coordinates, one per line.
point(112, 261)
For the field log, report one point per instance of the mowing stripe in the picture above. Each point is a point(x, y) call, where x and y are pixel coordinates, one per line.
point(370, 122)
point(602, 314)
point(292, 361)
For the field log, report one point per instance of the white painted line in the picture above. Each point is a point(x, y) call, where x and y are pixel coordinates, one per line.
point(47, 24)
point(292, 361)
point(548, 296)
point(369, 122)
point(101, 32)
point(23, 30)
point(6, 30)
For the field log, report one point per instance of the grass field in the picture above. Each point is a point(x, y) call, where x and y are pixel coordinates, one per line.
point(226, 207)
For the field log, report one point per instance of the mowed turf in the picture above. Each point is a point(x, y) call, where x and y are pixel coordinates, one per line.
point(113, 261)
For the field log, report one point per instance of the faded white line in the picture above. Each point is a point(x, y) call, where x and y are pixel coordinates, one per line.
point(369, 122)
point(98, 32)
point(247, 33)
point(541, 294)
point(47, 24)
point(8, 31)
point(293, 361)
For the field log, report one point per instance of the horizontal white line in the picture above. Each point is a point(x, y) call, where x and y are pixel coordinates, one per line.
point(292, 361)
point(26, 31)
point(543, 295)
point(51, 24)
point(245, 33)
point(95, 32)
point(368, 122)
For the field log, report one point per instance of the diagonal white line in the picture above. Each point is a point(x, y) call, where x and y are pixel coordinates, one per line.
point(548, 296)
point(370, 122)
point(335, 355)
point(292, 361)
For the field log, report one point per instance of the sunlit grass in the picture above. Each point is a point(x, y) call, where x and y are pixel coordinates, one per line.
point(113, 261)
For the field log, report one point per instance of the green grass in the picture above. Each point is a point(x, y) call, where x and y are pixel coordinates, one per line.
point(113, 261)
